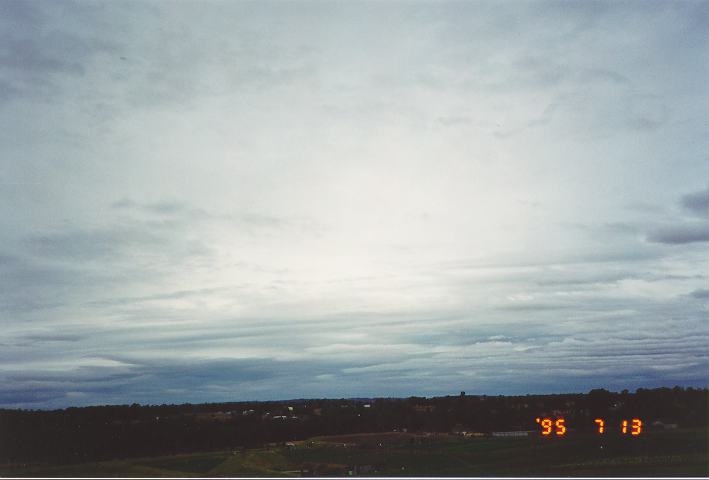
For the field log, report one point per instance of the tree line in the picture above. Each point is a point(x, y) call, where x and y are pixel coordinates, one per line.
point(107, 432)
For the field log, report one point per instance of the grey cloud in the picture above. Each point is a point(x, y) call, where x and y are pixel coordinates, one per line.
point(661, 277)
point(622, 227)
point(92, 244)
point(34, 58)
point(9, 261)
point(33, 285)
point(516, 332)
point(700, 293)
point(536, 306)
point(631, 256)
point(82, 374)
point(579, 278)
point(251, 60)
point(74, 265)
point(124, 203)
point(494, 361)
point(165, 208)
point(577, 360)
point(647, 113)
point(606, 75)
point(53, 337)
point(27, 274)
point(607, 278)
point(645, 208)
point(310, 136)
point(256, 222)
point(8, 91)
point(21, 12)
point(122, 239)
point(174, 295)
point(697, 203)
point(30, 396)
point(208, 371)
point(681, 234)
point(602, 230)
point(150, 381)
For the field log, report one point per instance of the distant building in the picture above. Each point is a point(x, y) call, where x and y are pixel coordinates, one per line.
point(356, 470)
point(424, 408)
point(660, 425)
point(511, 434)
point(458, 429)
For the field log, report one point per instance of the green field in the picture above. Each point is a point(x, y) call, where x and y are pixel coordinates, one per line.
point(677, 453)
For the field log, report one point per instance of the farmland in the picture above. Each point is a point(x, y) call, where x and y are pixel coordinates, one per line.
point(683, 452)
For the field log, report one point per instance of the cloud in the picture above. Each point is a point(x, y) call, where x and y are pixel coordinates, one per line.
point(681, 234)
point(34, 59)
point(686, 232)
point(225, 201)
point(35, 285)
point(256, 223)
point(150, 380)
point(166, 209)
point(53, 337)
point(386, 359)
point(697, 203)
point(83, 244)
point(64, 266)
point(22, 395)
point(119, 239)
point(700, 293)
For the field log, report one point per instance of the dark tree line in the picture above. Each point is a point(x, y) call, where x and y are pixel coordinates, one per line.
point(121, 431)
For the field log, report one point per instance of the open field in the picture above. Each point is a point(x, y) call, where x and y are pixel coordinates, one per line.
point(677, 453)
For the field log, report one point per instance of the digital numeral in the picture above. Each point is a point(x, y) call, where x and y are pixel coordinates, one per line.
point(560, 428)
point(601, 424)
point(548, 425)
point(636, 426)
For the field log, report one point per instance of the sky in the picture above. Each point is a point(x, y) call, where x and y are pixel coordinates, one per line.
point(224, 201)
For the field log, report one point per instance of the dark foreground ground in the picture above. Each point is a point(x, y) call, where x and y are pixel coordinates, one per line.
point(662, 453)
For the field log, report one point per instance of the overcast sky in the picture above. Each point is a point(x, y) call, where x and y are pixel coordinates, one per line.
point(232, 201)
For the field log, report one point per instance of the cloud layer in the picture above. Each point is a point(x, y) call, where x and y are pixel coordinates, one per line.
point(212, 201)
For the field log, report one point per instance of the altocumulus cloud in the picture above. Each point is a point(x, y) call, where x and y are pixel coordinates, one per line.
point(207, 202)
point(700, 293)
point(697, 202)
point(691, 231)
point(681, 234)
